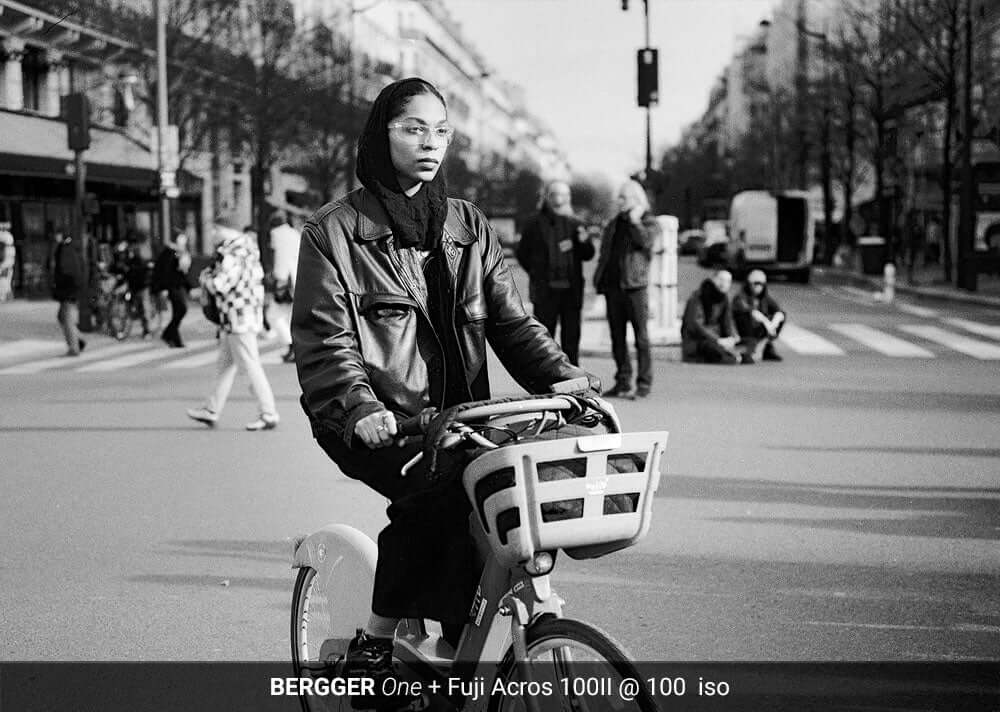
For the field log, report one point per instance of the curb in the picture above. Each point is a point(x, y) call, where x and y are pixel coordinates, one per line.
point(834, 275)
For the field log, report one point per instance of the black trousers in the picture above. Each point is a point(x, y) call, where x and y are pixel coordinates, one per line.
point(625, 307)
point(708, 351)
point(562, 307)
point(428, 566)
point(178, 308)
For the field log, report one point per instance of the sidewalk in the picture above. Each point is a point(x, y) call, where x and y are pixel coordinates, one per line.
point(927, 283)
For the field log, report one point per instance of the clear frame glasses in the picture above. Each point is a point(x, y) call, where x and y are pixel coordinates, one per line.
point(415, 132)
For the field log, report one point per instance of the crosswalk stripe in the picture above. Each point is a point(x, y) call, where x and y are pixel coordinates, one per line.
point(30, 347)
point(91, 355)
point(210, 356)
point(806, 342)
point(925, 312)
point(880, 341)
point(975, 327)
point(135, 359)
point(963, 344)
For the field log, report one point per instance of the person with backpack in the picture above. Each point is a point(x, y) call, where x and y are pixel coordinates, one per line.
point(234, 286)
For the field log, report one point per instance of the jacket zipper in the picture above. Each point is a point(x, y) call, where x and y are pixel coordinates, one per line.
point(405, 280)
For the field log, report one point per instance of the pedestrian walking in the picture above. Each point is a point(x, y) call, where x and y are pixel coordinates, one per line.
point(236, 282)
point(170, 280)
point(67, 281)
point(8, 258)
point(622, 276)
point(708, 334)
point(758, 319)
point(399, 288)
point(553, 247)
point(285, 250)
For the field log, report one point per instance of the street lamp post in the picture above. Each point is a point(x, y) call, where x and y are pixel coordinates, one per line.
point(166, 179)
point(648, 90)
point(966, 278)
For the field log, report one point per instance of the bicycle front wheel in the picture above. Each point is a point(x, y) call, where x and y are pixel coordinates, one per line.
point(574, 667)
point(119, 319)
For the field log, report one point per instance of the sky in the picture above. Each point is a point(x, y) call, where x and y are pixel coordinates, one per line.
point(576, 61)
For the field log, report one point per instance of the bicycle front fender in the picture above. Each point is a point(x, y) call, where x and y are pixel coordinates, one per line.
point(321, 548)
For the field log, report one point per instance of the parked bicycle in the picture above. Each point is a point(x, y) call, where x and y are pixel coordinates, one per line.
point(588, 495)
point(116, 308)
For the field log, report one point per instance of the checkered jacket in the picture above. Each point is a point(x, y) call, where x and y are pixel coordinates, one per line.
point(237, 282)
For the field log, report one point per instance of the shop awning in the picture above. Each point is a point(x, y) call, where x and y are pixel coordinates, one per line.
point(36, 146)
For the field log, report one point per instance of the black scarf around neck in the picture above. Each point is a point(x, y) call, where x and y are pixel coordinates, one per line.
point(417, 221)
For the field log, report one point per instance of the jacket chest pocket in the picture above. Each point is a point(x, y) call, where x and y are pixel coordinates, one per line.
point(386, 328)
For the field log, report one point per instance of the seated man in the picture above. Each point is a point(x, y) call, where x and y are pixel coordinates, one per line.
point(758, 319)
point(708, 334)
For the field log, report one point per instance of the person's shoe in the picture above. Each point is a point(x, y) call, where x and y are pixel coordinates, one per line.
point(371, 658)
point(642, 392)
point(288, 356)
point(618, 392)
point(147, 335)
point(264, 422)
point(770, 354)
point(203, 415)
point(83, 345)
point(747, 359)
point(72, 353)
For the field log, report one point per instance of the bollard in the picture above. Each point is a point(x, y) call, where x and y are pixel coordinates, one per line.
point(888, 282)
point(664, 283)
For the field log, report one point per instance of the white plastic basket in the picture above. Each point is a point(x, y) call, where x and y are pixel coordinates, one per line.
point(522, 514)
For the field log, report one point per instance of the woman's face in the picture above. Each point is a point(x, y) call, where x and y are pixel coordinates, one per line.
point(415, 150)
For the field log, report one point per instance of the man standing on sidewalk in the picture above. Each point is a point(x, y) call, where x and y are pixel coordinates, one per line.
point(554, 245)
point(67, 281)
point(236, 282)
point(285, 248)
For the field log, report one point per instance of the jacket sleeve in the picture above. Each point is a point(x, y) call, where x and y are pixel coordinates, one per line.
point(336, 392)
point(523, 345)
point(525, 251)
point(644, 234)
point(693, 322)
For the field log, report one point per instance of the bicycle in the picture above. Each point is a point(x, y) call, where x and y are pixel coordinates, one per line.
point(116, 308)
point(516, 634)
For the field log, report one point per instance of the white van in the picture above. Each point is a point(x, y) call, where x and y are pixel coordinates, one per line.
point(772, 231)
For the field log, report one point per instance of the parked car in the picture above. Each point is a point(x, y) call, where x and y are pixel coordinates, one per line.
point(689, 241)
point(715, 250)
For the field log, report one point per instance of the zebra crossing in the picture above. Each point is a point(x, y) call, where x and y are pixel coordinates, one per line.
point(940, 338)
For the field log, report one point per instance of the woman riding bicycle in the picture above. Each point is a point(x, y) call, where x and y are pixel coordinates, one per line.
point(399, 290)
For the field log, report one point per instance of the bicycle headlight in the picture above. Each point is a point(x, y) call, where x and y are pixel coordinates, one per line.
point(541, 563)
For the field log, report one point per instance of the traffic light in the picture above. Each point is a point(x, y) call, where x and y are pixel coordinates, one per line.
point(649, 76)
point(78, 121)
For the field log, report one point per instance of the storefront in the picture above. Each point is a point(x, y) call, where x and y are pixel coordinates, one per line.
point(37, 193)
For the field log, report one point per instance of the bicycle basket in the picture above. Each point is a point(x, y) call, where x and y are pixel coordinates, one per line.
point(589, 495)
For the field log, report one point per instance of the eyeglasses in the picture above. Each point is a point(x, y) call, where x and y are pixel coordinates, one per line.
point(414, 132)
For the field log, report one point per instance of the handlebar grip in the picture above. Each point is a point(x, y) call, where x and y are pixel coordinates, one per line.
point(409, 427)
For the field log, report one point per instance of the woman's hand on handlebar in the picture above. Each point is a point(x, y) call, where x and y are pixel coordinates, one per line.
point(377, 430)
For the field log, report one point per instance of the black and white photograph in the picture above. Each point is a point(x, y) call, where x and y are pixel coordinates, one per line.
point(499, 355)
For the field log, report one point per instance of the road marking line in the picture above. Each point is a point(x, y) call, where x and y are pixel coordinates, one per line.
point(918, 311)
point(963, 344)
point(880, 341)
point(876, 626)
point(859, 292)
point(806, 342)
point(30, 347)
point(134, 359)
point(975, 327)
point(54, 363)
point(206, 357)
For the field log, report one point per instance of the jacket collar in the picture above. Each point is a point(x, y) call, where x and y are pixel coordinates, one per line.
point(373, 221)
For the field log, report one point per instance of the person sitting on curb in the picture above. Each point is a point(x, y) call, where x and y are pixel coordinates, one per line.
point(708, 334)
point(758, 319)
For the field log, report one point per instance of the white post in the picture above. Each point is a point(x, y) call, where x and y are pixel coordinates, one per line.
point(667, 330)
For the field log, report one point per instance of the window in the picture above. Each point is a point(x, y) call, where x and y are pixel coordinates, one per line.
point(32, 74)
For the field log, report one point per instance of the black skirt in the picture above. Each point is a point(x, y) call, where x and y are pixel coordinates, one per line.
point(428, 566)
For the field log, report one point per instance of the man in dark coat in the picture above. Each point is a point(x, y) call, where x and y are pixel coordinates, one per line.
point(553, 247)
point(170, 275)
point(67, 281)
point(708, 334)
point(758, 318)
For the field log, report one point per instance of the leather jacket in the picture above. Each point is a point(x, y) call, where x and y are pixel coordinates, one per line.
point(357, 320)
point(636, 251)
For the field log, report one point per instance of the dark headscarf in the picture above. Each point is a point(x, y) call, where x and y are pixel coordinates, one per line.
point(416, 221)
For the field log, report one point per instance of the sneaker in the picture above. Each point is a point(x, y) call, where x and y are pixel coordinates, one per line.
point(642, 392)
point(203, 415)
point(770, 354)
point(618, 392)
point(372, 658)
point(264, 422)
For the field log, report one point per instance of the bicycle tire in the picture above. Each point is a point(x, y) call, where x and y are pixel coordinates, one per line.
point(327, 606)
point(549, 635)
point(119, 319)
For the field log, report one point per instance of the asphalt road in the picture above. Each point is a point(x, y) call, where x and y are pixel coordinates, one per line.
point(830, 507)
